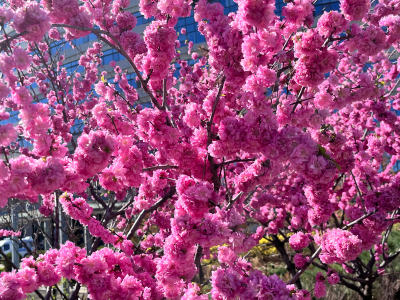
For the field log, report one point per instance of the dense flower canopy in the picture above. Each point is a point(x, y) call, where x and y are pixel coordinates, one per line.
point(286, 121)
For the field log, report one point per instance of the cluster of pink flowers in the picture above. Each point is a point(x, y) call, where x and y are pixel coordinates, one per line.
point(275, 121)
point(32, 19)
point(160, 40)
point(93, 152)
point(392, 22)
point(298, 13)
point(194, 197)
point(355, 9)
point(4, 232)
point(80, 210)
point(332, 23)
point(106, 274)
point(299, 241)
point(338, 246)
point(8, 134)
point(314, 59)
point(126, 169)
point(258, 13)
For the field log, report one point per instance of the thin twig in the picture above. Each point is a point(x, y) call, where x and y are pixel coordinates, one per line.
point(230, 204)
point(164, 104)
point(61, 293)
point(358, 190)
point(166, 167)
point(235, 161)
point(121, 50)
point(303, 88)
point(216, 101)
point(97, 198)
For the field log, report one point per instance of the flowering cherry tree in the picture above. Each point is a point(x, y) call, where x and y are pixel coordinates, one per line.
point(283, 121)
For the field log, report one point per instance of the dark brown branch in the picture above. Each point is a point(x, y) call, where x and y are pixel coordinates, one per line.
point(389, 259)
point(149, 76)
point(166, 167)
point(9, 39)
point(96, 197)
point(57, 222)
point(358, 190)
point(234, 200)
point(144, 212)
point(213, 166)
point(164, 103)
point(280, 246)
point(358, 220)
point(351, 286)
point(335, 220)
point(6, 157)
point(48, 293)
point(215, 106)
point(234, 161)
point(287, 41)
point(74, 295)
point(298, 98)
point(325, 268)
point(197, 261)
point(61, 293)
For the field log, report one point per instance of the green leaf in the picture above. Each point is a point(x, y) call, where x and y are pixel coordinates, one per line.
point(107, 150)
point(336, 164)
point(322, 151)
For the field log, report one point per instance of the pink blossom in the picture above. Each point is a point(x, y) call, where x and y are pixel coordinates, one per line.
point(22, 59)
point(354, 9)
point(93, 153)
point(319, 289)
point(4, 91)
point(33, 19)
point(332, 23)
point(339, 246)
point(299, 260)
point(8, 134)
point(47, 176)
point(299, 241)
point(333, 278)
point(21, 96)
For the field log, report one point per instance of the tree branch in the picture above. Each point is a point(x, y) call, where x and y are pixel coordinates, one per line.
point(48, 293)
point(234, 161)
point(318, 251)
point(74, 295)
point(303, 88)
point(144, 212)
point(358, 190)
point(97, 198)
point(197, 261)
point(234, 200)
point(166, 167)
point(215, 105)
point(164, 103)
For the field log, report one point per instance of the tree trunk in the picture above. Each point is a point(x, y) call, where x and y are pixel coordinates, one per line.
point(280, 246)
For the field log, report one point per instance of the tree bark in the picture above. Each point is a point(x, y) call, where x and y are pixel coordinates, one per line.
point(280, 246)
